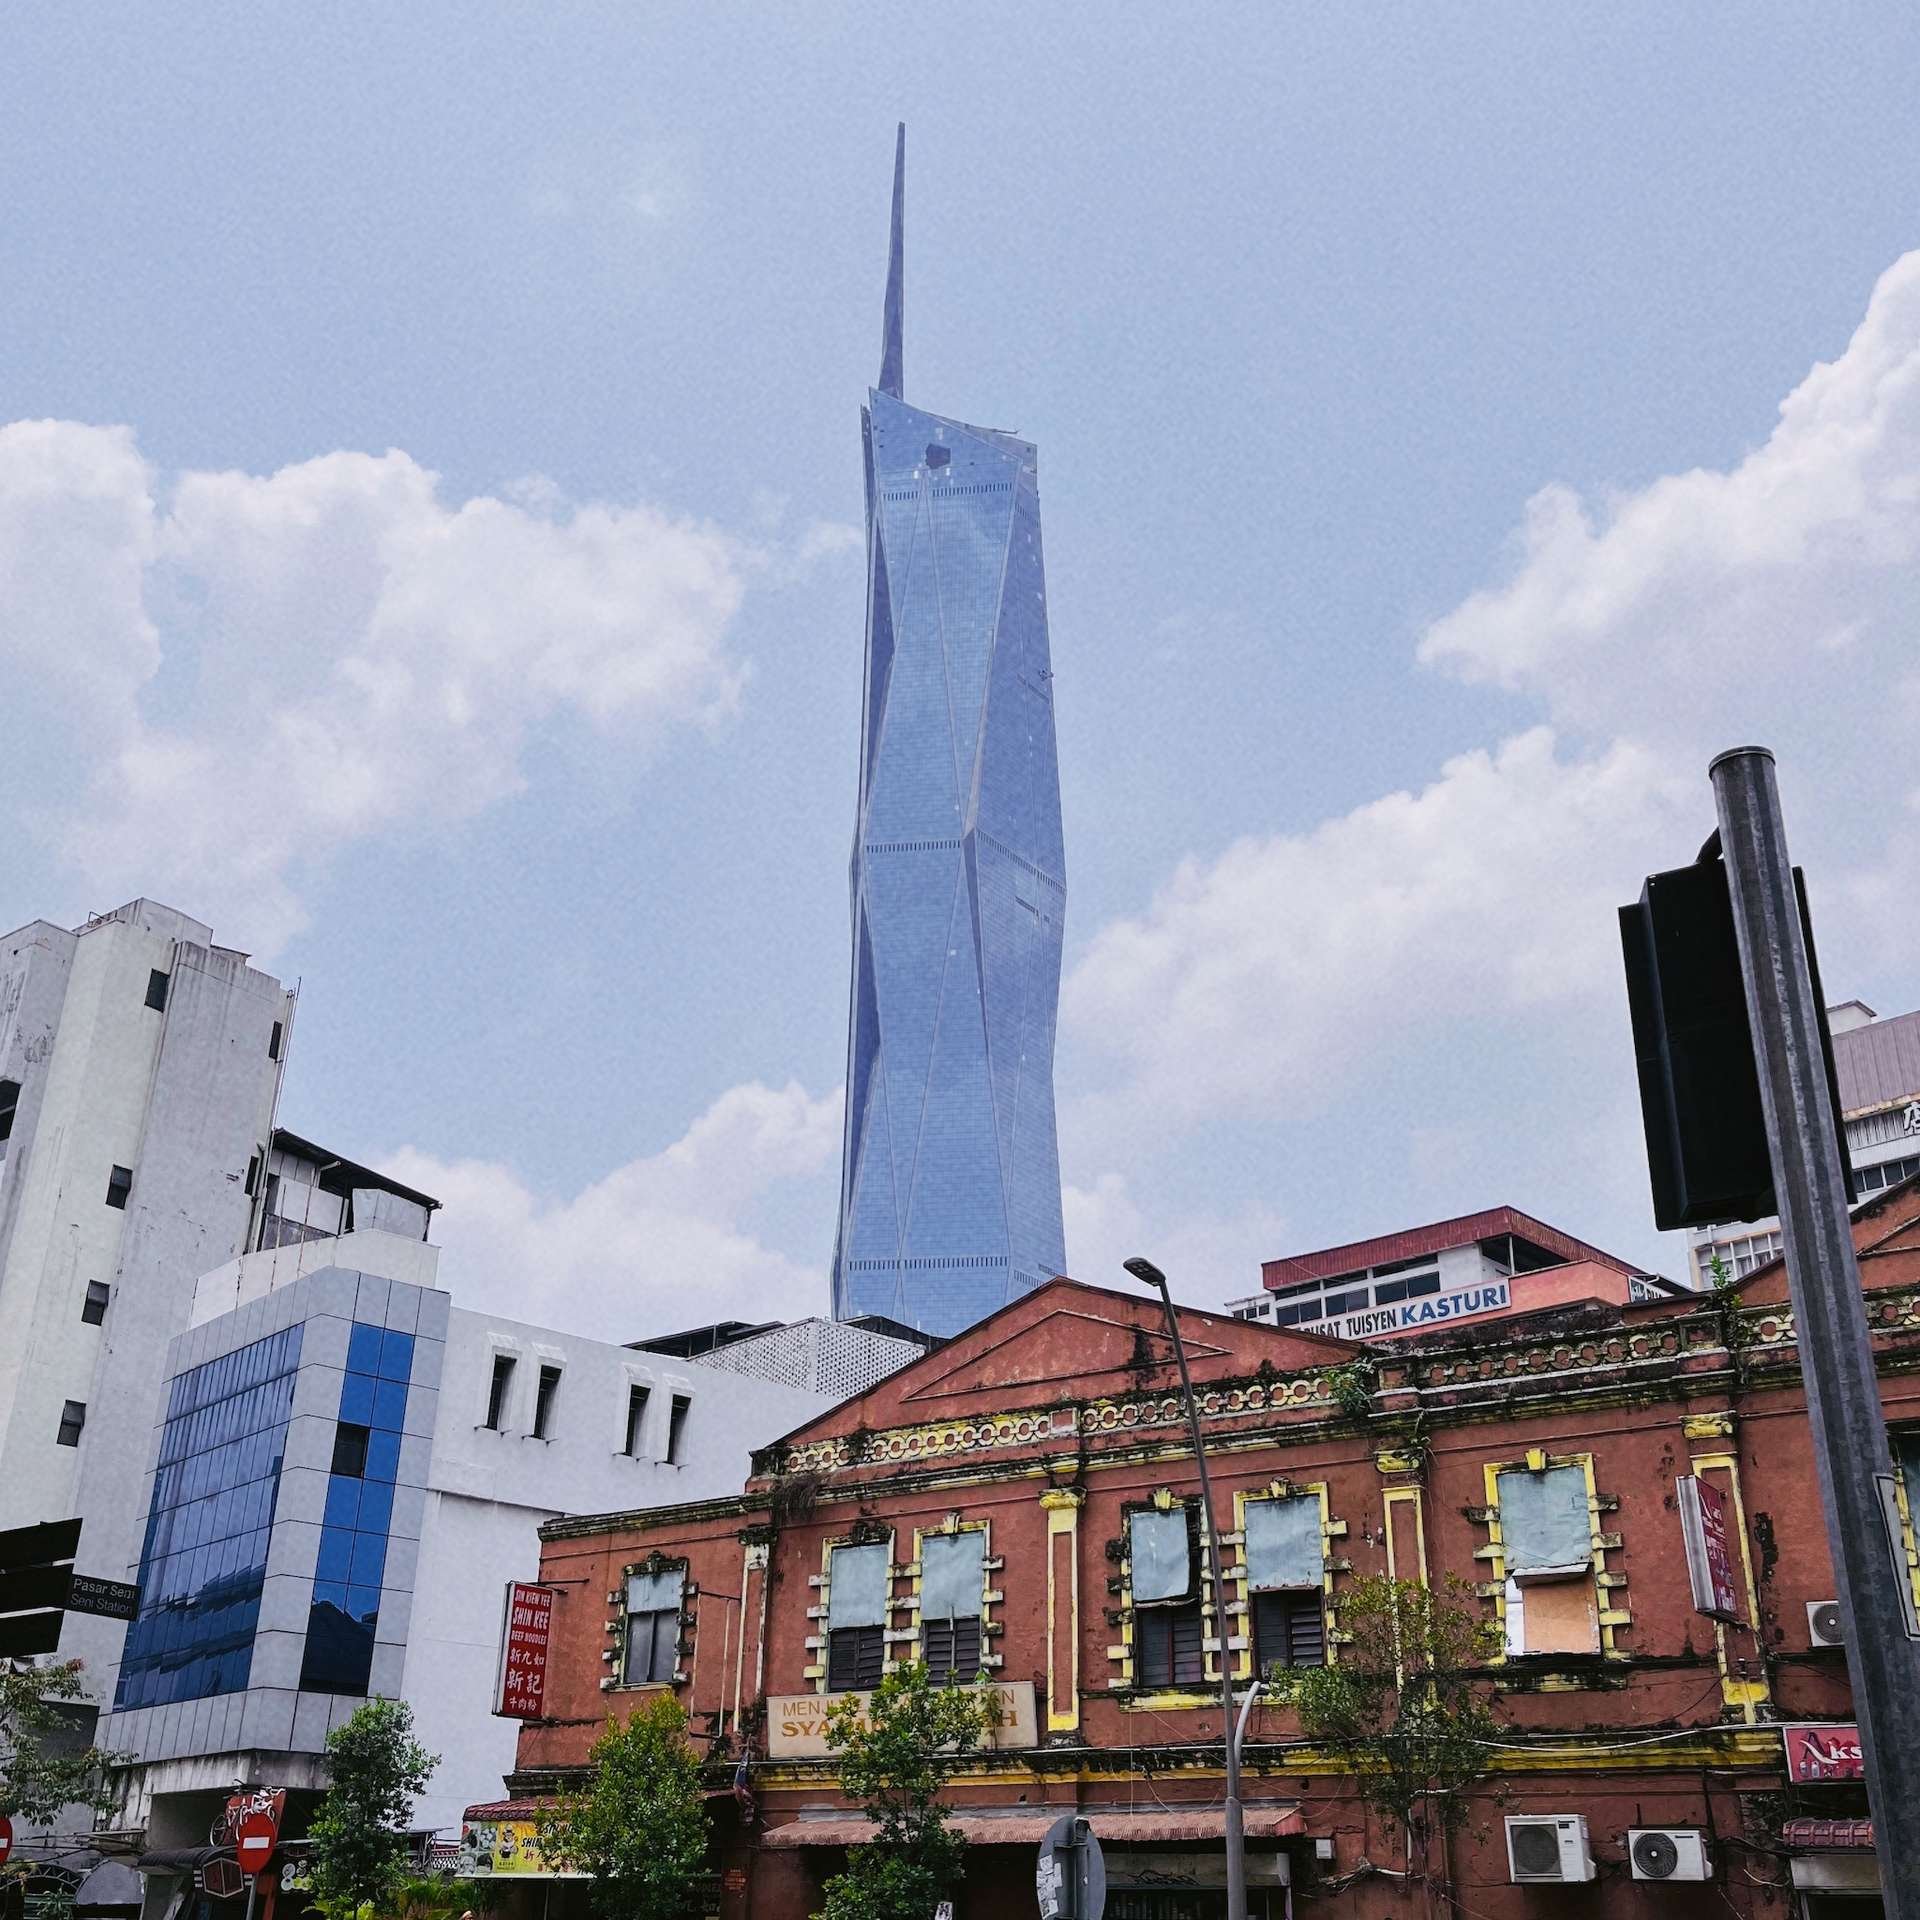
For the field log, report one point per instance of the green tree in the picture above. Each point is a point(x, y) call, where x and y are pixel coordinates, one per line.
point(639, 1825)
point(1407, 1704)
point(358, 1834)
point(42, 1769)
point(897, 1752)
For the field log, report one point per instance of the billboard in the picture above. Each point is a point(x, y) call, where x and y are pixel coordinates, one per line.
point(1706, 1530)
point(1823, 1753)
point(526, 1633)
point(1407, 1316)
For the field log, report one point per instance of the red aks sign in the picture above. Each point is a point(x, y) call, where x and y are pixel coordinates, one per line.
point(523, 1651)
point(1823, 1753)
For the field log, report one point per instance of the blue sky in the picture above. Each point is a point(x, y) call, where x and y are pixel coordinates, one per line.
point(429, 550)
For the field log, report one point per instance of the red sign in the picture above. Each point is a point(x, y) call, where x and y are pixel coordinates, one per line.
point(6, 1838)
point(1823, 1753)
point(1706, 1529)
point(524, 1640)
point(271, 1801)
point(254, 1840)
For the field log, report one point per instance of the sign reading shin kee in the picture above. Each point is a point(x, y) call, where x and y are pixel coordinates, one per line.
point(797, 1722)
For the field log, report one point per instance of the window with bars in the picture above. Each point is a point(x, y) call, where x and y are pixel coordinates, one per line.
point(1166, 1646)
point(1289, 1630)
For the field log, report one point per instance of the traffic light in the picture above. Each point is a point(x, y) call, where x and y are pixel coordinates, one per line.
point(1699, 1089)
point(36, 1575)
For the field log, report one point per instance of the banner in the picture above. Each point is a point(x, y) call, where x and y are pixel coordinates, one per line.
point(525, 1636)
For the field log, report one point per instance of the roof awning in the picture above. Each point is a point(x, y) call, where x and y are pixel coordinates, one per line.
point(1828, 1836)
point(1029, 1829)
point(181, 1859)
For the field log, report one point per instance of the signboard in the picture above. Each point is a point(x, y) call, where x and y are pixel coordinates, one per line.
point(6, 1838)
point(270, 1801)
point(254, 1841)
point(1406, 1316)
point(797, 1722)
point(222, 1878)
point(490, 1849)
point(1706, 1530)
point(111, 1599)
point(1070, 1876)
point(1817, 1754)
point(525, 1634)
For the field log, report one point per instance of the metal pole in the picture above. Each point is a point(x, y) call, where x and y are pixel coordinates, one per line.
point(1236, 1823)
point(1829, 1310)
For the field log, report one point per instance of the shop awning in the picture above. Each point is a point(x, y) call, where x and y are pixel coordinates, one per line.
point(181, 1859)
point(1029, 1829)
point(1828, 1836)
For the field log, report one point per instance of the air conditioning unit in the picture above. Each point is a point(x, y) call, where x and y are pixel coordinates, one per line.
point(1824, 1626)
point(1548, 1847)
point(1668, 1853)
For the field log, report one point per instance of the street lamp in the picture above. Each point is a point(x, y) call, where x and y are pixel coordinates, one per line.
point(1149, 1275)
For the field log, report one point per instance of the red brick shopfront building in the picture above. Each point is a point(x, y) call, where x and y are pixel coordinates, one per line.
point(1023, 1498)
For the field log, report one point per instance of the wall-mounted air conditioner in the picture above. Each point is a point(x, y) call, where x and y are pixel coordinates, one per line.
point(1824, 1626)
point(1668, 1853)
point(1548, 1847)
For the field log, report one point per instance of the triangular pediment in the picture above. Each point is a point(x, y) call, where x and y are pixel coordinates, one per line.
point(1076, 1344)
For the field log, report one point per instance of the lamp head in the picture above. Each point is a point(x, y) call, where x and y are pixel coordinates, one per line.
point(1145, 1272)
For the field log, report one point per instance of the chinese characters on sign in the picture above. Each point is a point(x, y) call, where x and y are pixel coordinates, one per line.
point(1707, 1533)
point(523, 1651)
point(1910, 1120)
point(1823, 1753)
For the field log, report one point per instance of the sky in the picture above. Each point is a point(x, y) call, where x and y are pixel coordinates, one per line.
point(430, 552)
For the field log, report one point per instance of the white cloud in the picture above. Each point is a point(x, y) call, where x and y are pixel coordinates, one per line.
point(1206, 1258)
point(657, 1244)
point(1293, 962)
point(1726, 598)
point(363, 656)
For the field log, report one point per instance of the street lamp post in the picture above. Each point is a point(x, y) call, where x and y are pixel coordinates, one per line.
point(1148, 1274)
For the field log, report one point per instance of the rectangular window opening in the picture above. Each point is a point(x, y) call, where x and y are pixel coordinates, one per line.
point(1167, 1649)
point(653, 1628)
point(73, 1419)
point(273, 1042)
point(9, 1105)
point(94, 1309)
point(350, 1441)
point(856, 1658)
point(677, 1429)
point(119, 1185)
point(952, 1649)
point(1289, 1630)
point(157, 990)
point(636, 1420)
point(497, 1392)
point(544, 1390)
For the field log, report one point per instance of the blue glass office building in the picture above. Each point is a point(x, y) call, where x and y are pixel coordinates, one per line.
point(950, 1183)
point(283, 1526)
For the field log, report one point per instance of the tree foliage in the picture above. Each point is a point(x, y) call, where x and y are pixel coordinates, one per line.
point(1406, 1703)
point(639, 1825)
point(41, 1767)
point(358, 1835)
point(897, 1751)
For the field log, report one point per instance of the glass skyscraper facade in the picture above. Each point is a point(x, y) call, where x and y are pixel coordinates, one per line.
point(950, 1184)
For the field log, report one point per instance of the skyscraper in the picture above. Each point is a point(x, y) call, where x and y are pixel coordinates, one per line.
point(950, 1182)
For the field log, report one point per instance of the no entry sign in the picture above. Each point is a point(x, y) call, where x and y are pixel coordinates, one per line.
point(254, 1840)
point(6, 1838)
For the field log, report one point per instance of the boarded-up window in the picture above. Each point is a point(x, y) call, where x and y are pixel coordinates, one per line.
point(858, 1583)
point(951, 1575)
point(1283, 1543)
point(1545, 1529)
point(1161, 1550)
point(1552, 1616)
point(653, 1627)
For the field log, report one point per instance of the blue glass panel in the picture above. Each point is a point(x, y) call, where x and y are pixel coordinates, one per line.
point(369, 1559)
point(376, 1506)
point(343, 1500)
point(363, 1604)
point(356, 1398)
point(383, 1455)
point(390, 1405)
point(363, 1348)
point(396, 1356)
point(203, 1564)
point(336, 1554)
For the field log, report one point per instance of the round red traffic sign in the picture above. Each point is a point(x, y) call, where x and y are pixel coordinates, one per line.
point(6, 1838)
point(254, 1839)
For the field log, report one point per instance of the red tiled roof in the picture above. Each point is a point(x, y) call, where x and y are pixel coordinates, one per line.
point(1461, 1231)
point(1829, 1836)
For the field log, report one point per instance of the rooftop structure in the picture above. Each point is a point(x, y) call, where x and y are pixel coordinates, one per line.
point(950, 1185)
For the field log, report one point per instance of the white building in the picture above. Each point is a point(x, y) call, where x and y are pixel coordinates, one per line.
point(139, 1067)
point(346, 1471)
point(1877, 1065)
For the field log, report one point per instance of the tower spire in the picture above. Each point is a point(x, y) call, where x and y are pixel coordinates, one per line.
point(890, 335)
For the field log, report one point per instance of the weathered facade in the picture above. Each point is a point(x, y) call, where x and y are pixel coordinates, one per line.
point(1043, 1455)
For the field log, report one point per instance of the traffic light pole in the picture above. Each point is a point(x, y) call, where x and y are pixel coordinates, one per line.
point(1829, 1309)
